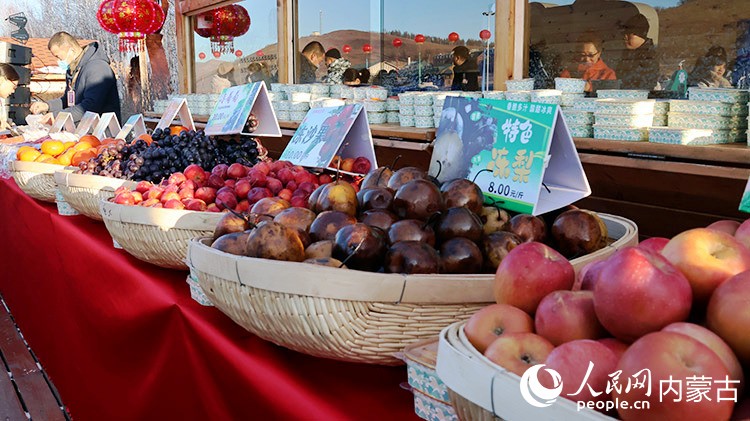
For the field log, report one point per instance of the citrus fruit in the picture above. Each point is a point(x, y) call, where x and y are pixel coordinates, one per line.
point(52, 147)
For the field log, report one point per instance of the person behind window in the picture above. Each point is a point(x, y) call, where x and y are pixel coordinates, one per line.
point(354, 77)
point(337, 65)
point(591, 66)
point(312, 55)
point(710, 69)
point(8, 84)
point(639, 66)
point(465, 70)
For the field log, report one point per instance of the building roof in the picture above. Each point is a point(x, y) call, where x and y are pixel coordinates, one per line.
point(42, 57)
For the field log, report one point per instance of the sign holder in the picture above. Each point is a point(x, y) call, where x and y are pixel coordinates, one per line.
point(64, 121)
point(176, 108)
point(87, 123)
point(331, 131)
point(107, 123)
point(520, 154)
point(135, 126)
point(234, 107)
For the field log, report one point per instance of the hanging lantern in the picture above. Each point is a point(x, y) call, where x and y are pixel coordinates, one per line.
point(485, 34)
point(367, 48)
point(238, 53)
point(259, 53)
point(347, 48)
point(217, 54)
point(419, 39)
point(397, 42)
point(222, 25)
point(453, 37)
point(202, 56)
point(131, 20)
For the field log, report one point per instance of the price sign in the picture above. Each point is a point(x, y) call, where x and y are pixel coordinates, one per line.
point(134, 125)
point(520, 154)
point(64, 121)
point(87, 123)
point(176, 107)
point(745, 201)
point(108, 123)
point(234, 108)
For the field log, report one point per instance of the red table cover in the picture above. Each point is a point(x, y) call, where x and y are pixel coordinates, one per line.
point(122, 339)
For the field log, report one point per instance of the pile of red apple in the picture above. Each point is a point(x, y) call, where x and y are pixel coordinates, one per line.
point(678, 308)
point(235, 187)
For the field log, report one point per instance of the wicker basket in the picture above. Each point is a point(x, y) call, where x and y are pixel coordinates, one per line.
point(37, 179)
point(84, 192)
point(156, 235)
point(344, 315)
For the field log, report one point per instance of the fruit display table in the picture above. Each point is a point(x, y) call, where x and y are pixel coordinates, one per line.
point(122, 339)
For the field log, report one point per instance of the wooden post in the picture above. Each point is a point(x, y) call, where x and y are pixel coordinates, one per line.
point(512, 23)
point(184, 48)
point(285, 50)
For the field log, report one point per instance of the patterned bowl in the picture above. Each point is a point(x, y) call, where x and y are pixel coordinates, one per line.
point(283, 116)
point(297, 115)
point(739, 108)
point(581, 130)
point(437, 109)
point(423, 99)
point(360, 93)
point(569, 99)
point(406, 120)
point(406, 109)
point(347, 92)
point(301, 97)
point(423, 111)
point(424, 122)
point(303, 87)
point(719, 94)
point(277, 87)
point(391, 104)
point(521, 96)
point(698, 121)
point(494, 94)
point(284, 105)
point(688, 136)
point(374, 106)
point(299, 106)
point(376, 117)
point(546, 96)
point(578, 118)
point(327, 102)
point(631, 134)
point(406, 98)
point(624, 106)
point(661, 120)
point(377, 93)
point(622, 94)
point(661, 107)
point(624, 120)
point(320, 88)
point(393, 117)
point(520, 85)
point(335, 90)
point(700, 107)
point(436, 120)
point(570, 85)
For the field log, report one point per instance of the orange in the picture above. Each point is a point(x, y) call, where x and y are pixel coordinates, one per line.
point(27, 153)
point(109, 141)
point(90, 139)
point(146, 137)
point(52, 147)
point(176, 130)
point(43, 157)
point(82, 156)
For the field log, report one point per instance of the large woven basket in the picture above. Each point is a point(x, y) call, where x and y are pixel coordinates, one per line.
point(156, 235)
point(36, 179)
point(84, 192)
point(483, 391)
point(349, 315)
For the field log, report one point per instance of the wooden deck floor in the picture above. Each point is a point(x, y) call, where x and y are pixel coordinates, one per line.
point(25, 391)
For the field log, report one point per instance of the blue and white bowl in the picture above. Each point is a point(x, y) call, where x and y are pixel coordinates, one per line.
point(284, 105)
point(437, 109)
point(391, 104)
point(494, 94)
point(360, 93)
point(520, 85)
point(406, 98)
point(301, 96)
point(320, 89)
point(436, 119)
point(424, 122)
point(699, 121)
point(277, 87)
point(303, 87)
point(423, 99)
point(584, 104)
point(633, 94)
point(688, 136)
point(335, 90)
point(719, 94)
point(570, 85)
point(569, 99)
point(624, 120)
point(630, 134)
point(661, 107)
point(347, 92)
point(521, 96)
point(406, 120)
point(661, 120)
point(739, 108)
point(546, 96)
point(297, 115)
point(299, 106)
point(376, 117)
point(700, 107)
point(393, 117)
point(405, 109)
point(374, 106)
point(578, 118)
point(423, 111)
point(624, 106)
point(283, 115)
point(377, 93)
point(581, 130)
point(327, 102)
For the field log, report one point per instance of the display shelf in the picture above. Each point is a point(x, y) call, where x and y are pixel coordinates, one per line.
point(733, 153)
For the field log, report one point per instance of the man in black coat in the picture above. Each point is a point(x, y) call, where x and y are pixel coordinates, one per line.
point(639, 66)
point(90, 83)
point(465, 70)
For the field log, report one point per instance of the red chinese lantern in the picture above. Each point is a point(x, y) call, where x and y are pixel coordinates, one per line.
point(238, 53)
point(397, 42)
point(222, 25)
point(259, 53)
point(131, 20)
point(419, 39)
point(367, 48)
point(485, 34)
point(453, 37)
point(202, 56)
point(217, 54)
point(347, 48)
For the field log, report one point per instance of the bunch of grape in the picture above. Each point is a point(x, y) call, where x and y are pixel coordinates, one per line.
point(118, 160)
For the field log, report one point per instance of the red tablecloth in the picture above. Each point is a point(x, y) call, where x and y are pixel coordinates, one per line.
point(122, 339)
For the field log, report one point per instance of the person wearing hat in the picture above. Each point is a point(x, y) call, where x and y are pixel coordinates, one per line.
point(337, 65)
point(639, 66)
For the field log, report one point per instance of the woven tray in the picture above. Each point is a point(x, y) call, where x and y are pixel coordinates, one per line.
point(84, 192)
point(156, 235)
point(37, 179)
point(351, 316)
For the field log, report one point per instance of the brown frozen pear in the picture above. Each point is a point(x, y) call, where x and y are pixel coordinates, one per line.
point(459, 222)
point(463, 193)
point(328, 223)
point(232, 243)
point(528, 228)
point(418, 199)
point(461, 255)
point(297, 218)
point(338, 196)
point(361, 246)
point(271, 206)
point(411, 230)
point(230, 223)
point(411, 257)
point(271, 240)
point(405, 175)
point(496, 246)
point(579, 232)
point(377, 178)
point(494, 219)
point(326, 261)
point(319, 250)
point(380, 218)
point(375, 198)
point(312, 201)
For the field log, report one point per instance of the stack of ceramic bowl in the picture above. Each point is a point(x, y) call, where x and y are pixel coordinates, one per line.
point(546, 96)
point(661, 112)
point(738, 98)
point(298, 110)
point(326, 102)
point(376, 113)
point(686, 116)
point(391, 108)
point(519, 90)
point(623, 118)
point(319, 90)
point(406, 109)
point(335, 90)
point(360, 93)
point(377, 93)
point(283, 110)
point(423, 113)
point(494, 94)
point(347, 92)
point(577, 110)
point(160, 105)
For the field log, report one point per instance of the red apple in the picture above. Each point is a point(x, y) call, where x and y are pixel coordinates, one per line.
point(220, 170)
point(573, 360)
point(154, 193)
point(638, 292)
point(257, 178)
point(564, 316)
point(324, 179)
point(236, 171)
point(495, 320)
point(196, 205)
point(143, 186)
point(225, 198)
point(150, 203)
point(517, 352)
point(285, 175)
point(304, 177)
point(285, 194)
point(299, 202)
point(171, 188)
point(212, 208)
point(170, 196)
point(274, 184)
point(177, 178)
point(654, 244)
point(263, 167)
point(186, 193)
point(587, 275)
point(614, 345)
point(725, 225)
point(242, 206)
point(242, 187)
point(743, 233)
point(206, 194)
point(257, 193)
point(713, 341)
point(678, 357)
point(158, 205)
point(125, 198)
point(189, 184)
point(728, 314)
point(307, 187)
point(361, 165)
point(174, 204)
point(137, 197)
point(292, 185)
point(276, 166)
point(195, 173)
point(707, 258)
point(215, 181)
point(528, 273)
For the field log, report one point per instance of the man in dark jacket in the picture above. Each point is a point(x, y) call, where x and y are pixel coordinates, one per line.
point(308, 61)
point(465, 70)
point(639, 66)
point(90, 83)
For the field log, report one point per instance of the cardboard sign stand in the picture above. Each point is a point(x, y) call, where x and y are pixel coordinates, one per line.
point(135, 126)
point(108, 123)
point(327, 132)
point(234, 107)
point(87, 123)
point(176, 108)
point(64, 121)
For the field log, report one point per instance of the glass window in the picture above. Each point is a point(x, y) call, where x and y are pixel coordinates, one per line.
point(250, 57)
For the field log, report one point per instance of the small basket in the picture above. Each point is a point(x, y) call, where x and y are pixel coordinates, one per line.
point(37, 179)
point(84, 192)
point(350, 315)
point(156, 235)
